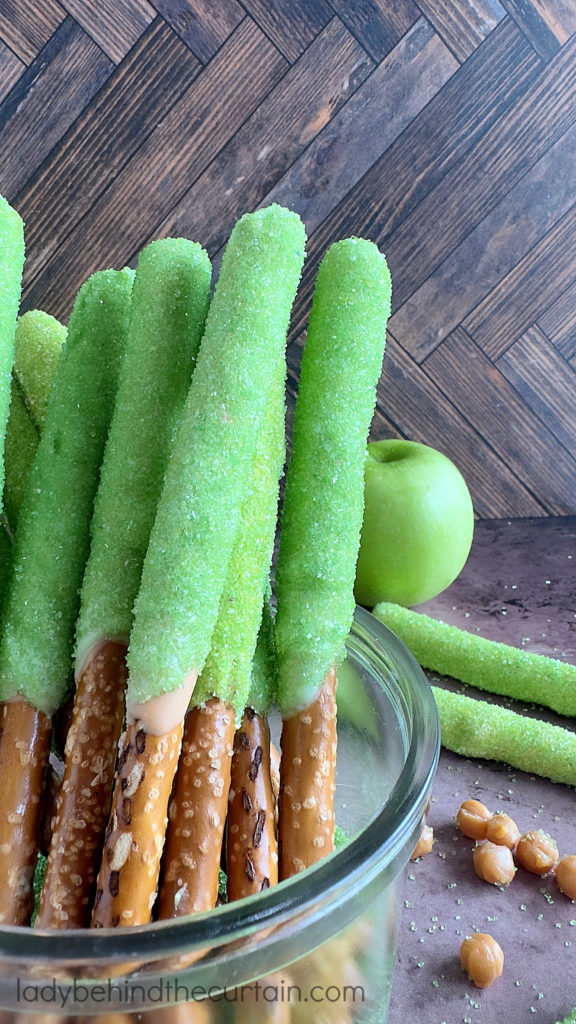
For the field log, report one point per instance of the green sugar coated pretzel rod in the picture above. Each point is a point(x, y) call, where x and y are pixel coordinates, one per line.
point(475, 728)
point(191, 541)
point(324, 495)
point(50, 551)
point(487, 664)
point(170, 299)
point(198, 805)
point(53, 534)
point(37, 348)
point(320, 533)
point(38, 343)
point(11, 266)
point(19, 450)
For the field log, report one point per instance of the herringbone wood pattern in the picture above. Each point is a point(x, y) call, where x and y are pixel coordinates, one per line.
point(443, 129)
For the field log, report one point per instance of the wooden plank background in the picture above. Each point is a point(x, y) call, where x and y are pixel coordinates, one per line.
point(445, 130)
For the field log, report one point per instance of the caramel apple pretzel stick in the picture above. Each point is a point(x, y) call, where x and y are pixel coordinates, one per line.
point(199, 802)
point(475, 728)
point(170, 300)
point(320, 534)
point(251, 841)
point(186, 564)
point(488, 664)
point(38, 341)
point(50, 551)
point(11, 266)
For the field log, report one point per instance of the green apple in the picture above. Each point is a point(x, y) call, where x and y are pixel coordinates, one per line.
point(418, 524)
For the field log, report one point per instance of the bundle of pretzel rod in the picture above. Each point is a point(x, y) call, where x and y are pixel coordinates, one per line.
point(146, 601)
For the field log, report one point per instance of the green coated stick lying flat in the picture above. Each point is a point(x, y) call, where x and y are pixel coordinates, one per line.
point(50, 551)
point(477, 729)
point(320, 534)
point(170, 299)
point(186, 564)
point(487, 664)
point(38, 342)
point(11, 266)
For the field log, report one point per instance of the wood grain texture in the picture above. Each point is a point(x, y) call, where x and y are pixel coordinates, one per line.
point(115, 25)
point(445, 130)
point(463, 28)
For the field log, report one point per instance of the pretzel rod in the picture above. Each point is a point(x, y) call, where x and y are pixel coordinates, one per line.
point(251, 840)
point(169, 299)
point(126, 886)
point(11, 266)
point(487, 664)
point(85, 793)
point(194, 531)
point(191, 862)
point(252, 849)
point(308, 782)
point(183, 1013)
point(320, 532)
point(477, 729)
point(24, 752)
point(52, 540)
point(52, 786)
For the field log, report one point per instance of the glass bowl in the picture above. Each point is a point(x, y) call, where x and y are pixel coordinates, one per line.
point(319, 947)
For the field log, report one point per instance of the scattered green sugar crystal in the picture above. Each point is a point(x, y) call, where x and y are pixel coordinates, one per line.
point(51, 544)
point(477, 729)
point(487, 664)
point(264, 681)
point(324, 494)
point(227, 673)
point(170, 300)
point(340, 837)
point(37, 347)
point(209, 468)
point(11, 265)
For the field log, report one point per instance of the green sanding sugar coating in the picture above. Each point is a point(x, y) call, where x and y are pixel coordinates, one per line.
point(209, 469)
point(475, 728)
point(263, 685)
point(37, 347)
point(487, 664)
point(19, 450)
point(324, 494)
point(11, 265)
point(5, 561)
point(170, 300)
point(228, 669)
point(51, 544)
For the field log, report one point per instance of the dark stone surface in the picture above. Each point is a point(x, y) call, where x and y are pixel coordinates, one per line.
point(518, 587)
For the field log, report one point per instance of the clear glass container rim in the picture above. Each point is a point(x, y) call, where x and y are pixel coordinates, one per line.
point(376, 845)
